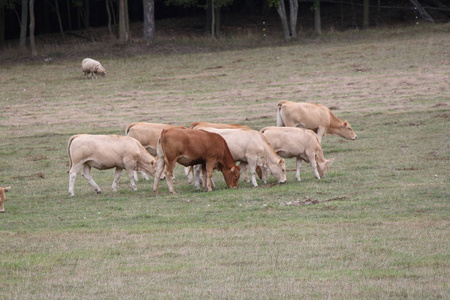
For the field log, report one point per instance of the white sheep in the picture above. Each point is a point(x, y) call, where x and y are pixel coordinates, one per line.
point(93, 67)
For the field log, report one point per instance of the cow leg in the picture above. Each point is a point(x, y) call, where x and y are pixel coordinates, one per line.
point(143, 174)
point(264, 173)
point(189, 172)
point(117, 174)
point(299, 165)
point(159, 169)
point(169, 177)
point(196, 171)
point(252, 169)
point(87, 175)
point(72, 176)
point(131, 177)
point(313, 162)
point(209, 171)
point(320, 133)
point(243, 166)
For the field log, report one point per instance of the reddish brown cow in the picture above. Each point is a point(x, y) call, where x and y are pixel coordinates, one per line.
point(312, 116)
point(191, 147)
point(2, 198)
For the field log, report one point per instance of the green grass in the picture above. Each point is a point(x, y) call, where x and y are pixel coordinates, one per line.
point(376, 227)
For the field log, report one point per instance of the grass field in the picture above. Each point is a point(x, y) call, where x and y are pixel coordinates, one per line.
point(377, 227)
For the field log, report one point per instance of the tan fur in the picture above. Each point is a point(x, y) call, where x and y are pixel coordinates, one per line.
point(253, 148)
point(105, 152)
point(3, 198)
point(303, 144)
point(196, 125)
point(312, 116)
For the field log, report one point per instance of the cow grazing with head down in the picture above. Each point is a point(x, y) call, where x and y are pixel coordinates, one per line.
point(312, 116)
point(303, 144)
point(148, 135)
point(106, 152)
point(3, 198)
point(191, 147)
point(252, 148)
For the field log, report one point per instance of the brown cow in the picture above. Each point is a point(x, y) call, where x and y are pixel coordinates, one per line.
point(252, 148)
point(3, 198)
point(148, 135)
point(312, 116)
point(105, 152)
point(197, 125)
point(303, 144)
point(191, 147)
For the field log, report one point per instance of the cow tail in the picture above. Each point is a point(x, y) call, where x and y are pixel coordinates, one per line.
point(127, 130)
point(68, 150)
point(280, 122)
point(193, 125)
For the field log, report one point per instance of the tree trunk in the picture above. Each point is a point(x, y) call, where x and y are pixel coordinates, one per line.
point(68, 15)
point(149, 21)
point(2, 26)
point(213, 20)
point(423, 14)
point(281, 9)
point(59, 19)
point(23, 25)
point(124, 35)
point(365, 14)
point(293, 10)
point(32, 41)
point(317, 19)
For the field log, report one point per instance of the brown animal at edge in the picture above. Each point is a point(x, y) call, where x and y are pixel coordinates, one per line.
point(312, 116)
point(191, 147)
point(301, 143)
point(3, 198)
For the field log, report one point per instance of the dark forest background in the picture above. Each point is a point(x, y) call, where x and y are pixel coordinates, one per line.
point(77, 17)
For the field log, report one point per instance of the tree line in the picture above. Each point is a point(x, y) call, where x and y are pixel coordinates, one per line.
point(21, 18)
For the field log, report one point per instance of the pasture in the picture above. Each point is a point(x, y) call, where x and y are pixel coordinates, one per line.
point(376, 227)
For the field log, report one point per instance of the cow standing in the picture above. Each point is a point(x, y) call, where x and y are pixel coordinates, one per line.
point(191, 147)
point(312, 116)
point(252, 148)
point(303, 144)
point(106, 152)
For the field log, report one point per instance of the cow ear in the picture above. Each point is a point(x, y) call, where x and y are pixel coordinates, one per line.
point(233, 169)
point(345, 124)
point(329, 161)
point(281, 162)
point(153, 163)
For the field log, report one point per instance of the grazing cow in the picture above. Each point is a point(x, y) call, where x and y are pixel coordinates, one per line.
point(312, 116)
point(303, 144)
point(191, 147)
point(105, 152)
point(197, 125)
point(148, 135)
point(252, 148)
point(3, 198)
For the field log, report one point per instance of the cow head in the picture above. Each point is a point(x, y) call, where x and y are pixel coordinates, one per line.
point(278, 170)
point(347, 131)
point(231, 176)
point(322, 167)
point(2, 198)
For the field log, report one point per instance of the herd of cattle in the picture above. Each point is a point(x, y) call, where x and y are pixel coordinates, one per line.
point(204, 147)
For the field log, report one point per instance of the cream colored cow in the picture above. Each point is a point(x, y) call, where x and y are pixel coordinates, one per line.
point(106, 152)
point(303, 144)
point(312, 116)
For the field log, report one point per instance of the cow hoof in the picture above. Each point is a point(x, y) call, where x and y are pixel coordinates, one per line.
point(2, 211)
point(98, 192)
